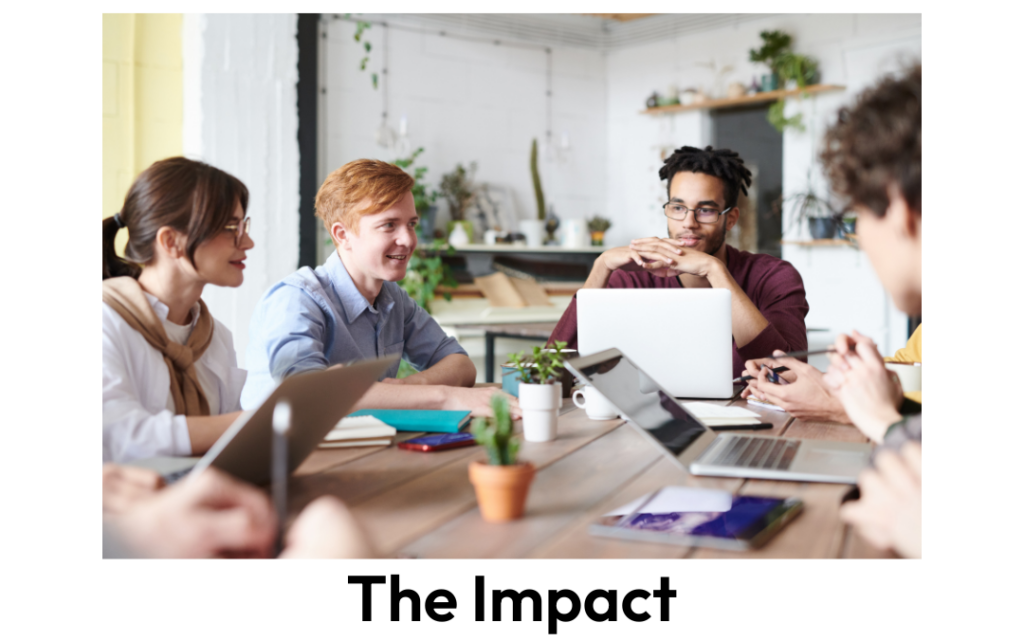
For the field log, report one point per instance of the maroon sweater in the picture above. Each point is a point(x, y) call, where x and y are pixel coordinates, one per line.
point(773, 285)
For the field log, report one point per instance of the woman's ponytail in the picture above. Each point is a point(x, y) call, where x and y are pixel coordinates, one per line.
point(113, 265)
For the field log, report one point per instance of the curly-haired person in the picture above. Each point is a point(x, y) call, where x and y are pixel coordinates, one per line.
point(873, 156)
point(768, 299)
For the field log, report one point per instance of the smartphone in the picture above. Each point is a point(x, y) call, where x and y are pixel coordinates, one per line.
point(747, 524)
point(436, 442)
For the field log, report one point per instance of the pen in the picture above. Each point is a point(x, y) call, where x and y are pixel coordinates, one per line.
point(827, 350)
point(279, 468)
point(747, 377)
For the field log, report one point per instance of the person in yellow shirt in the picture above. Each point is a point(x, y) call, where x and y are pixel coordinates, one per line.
point(910, 354)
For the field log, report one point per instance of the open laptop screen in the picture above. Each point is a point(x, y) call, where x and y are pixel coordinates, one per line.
point(644, 402)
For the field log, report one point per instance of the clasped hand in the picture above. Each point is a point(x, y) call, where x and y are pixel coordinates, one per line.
point(870, 394)
point(805, 396)
point(662, 257)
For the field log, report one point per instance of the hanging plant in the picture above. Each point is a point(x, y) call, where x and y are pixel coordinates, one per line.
point(361, 27)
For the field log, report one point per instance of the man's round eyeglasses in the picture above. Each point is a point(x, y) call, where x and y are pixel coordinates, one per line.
point(239, 229)
point(678, 211)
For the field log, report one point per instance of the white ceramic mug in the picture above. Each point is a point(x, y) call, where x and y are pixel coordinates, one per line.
point(594, 402)
point(909, 373)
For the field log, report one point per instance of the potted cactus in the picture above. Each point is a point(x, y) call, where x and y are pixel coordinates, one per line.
point(540, 391)
point(502, 483)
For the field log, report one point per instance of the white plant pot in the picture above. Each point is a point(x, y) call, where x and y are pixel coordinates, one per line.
point(540, 405)
point(534, 232)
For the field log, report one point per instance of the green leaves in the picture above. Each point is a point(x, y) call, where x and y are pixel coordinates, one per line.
point(427, 270)
point(495, 434)
point(773, 45)
point(776, 53)
point(778, 119)
point(361, 27)
point(544, 368)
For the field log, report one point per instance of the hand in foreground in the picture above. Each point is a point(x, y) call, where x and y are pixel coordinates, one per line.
point(888, 514)
point(870, 394)
point(326, 530)
point(806, 397)
point(478, 400)
point(124, 486)
point(206, 514)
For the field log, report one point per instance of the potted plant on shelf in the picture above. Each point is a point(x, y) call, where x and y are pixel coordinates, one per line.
point(458, 190)
point(540, 391)
point(533, 229)
point(789, 70)
point(598, 226)
point(819, 212)
point(423, 199)
point(773, 45)
point(502, 483)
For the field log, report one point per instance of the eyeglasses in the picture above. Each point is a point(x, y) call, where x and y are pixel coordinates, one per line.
point(240, 229)
point(678, 211)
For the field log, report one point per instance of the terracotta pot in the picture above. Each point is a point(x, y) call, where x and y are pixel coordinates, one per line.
point(501, 489)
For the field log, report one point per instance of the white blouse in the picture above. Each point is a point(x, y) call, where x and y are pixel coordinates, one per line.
point(138, 409)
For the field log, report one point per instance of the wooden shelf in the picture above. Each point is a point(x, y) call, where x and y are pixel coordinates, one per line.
point(757, 98)
point(523, 249)
point(824, 242)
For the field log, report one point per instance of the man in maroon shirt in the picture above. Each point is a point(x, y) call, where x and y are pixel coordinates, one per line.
point(768, 299)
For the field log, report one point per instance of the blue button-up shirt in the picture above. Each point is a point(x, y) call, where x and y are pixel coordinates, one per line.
point(317, 318)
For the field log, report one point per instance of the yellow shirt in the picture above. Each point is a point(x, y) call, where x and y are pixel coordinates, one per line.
point(910, 354)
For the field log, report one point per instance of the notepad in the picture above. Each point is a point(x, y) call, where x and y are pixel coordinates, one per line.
point(448, 421)
point(771, 406)
point(359, 431)
point(675, 498)
point(722, 415)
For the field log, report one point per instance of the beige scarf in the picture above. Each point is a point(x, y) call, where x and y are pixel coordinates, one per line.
point(125, 296)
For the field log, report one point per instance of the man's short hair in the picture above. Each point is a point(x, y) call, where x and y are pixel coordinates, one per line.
point(724, 164)
point(878, 143)
point(341, 197)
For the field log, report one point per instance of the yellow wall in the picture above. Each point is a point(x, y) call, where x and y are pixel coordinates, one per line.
point(142, 98)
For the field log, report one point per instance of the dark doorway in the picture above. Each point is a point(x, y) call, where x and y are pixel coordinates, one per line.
point(747, 132)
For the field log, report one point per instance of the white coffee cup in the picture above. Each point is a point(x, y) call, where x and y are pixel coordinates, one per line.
point(594, 402)
point(909, 374)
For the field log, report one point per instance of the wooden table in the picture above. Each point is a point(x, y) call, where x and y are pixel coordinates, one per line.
point(422, 505)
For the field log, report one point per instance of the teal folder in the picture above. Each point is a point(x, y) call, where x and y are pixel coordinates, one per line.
point(450, 421)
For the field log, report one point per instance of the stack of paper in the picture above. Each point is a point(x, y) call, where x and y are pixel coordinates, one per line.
point(721, 415)
point(359, 431)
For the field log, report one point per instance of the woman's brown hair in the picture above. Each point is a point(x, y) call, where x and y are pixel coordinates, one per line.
point(186, 195)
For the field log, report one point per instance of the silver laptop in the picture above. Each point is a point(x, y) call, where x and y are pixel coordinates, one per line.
point(318, 401)
point(681, 337)
point(694, 446)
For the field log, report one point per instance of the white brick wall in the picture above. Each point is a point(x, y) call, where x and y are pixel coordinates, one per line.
point(468, 101)
point(240, 115)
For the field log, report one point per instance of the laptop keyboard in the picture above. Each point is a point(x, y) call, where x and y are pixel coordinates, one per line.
point(758, 453)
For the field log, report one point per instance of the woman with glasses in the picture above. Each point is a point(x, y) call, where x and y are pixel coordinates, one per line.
point(171, 384)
